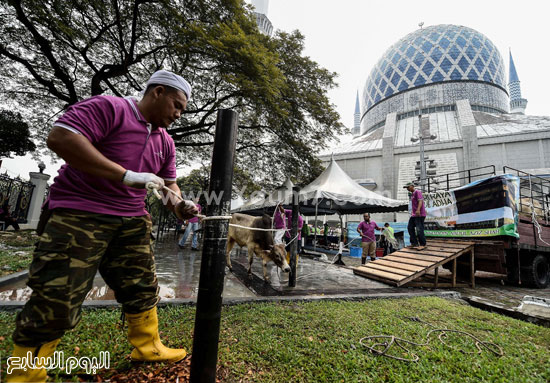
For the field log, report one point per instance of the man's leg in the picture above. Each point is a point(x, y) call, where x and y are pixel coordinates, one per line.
point(61, 274)
point(185, 235)
point(419, 223)
point(128, 267)
point(411, 227)
point(194, 242)
point(278, 238)
point(372, 250)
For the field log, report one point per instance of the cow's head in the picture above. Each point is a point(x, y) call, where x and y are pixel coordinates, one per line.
point(277, 254)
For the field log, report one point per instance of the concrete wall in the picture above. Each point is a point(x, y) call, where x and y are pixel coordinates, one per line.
point(533, 154)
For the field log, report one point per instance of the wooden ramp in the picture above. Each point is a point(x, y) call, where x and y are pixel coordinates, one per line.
point(409, 264)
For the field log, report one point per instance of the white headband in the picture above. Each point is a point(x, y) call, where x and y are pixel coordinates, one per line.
point(163, 77)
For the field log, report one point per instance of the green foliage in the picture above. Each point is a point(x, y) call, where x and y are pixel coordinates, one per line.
point(14, 135)
point(12, 261)
point(319, 341)
point(60, 52)
point(16, 250)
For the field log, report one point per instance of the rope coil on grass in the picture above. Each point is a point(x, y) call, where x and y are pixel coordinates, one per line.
point(382, 348)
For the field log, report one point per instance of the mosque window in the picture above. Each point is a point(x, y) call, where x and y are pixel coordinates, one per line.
point(456, 75)
point(472, 75)
point(446, 65)
point(463, 64)
point(460, 41)
point(410, 73)
point(420, 80)
point(444, 43)
point(482, 108)
point(454, 53)
point(428, 68)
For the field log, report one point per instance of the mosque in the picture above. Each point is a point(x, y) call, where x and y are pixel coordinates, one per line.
point(445, 84)
point(454, 78)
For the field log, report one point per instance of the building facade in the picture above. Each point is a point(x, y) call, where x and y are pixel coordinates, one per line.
point(454, 77)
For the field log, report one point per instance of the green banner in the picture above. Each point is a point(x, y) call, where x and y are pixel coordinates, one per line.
point(509, 229)
point(483, 208)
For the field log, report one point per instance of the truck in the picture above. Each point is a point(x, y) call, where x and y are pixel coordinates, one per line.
point(507, 215)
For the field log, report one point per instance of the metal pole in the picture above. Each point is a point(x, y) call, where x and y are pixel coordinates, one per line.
point(315, 226)
point(211, 280)
point(422, 159)
point(340, 243)
point(293, 234)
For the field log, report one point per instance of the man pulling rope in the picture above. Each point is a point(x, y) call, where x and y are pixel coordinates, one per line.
point(95, 219)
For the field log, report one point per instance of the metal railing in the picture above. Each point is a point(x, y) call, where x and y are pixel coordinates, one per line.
point(450, 180)
point(534, 194)
point(16, 193)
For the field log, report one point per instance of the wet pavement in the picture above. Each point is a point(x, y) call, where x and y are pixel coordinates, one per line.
point(178, 274)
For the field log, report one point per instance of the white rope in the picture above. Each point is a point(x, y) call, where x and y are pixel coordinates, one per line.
point(536, 223)
point(251, 228)
point(292, 240)
point(319, 272)
point(214, 217)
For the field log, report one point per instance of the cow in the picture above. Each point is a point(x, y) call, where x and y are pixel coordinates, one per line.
point(259, 242)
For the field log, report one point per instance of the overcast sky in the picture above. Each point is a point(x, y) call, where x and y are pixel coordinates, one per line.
point(349, 36)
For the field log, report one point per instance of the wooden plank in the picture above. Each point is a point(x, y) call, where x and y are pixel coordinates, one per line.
point(393, 277)
point(374, 265)
point(408, 261)
point(418, 256)
point(454, 273)
point(428, 251)
point(376, 278)
point(449, 245)
point(431, 285)
point(399, 265)
point(472, 269)
point(457, 241)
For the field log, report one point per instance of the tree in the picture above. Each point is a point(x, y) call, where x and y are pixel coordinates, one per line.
point(14, 135)
point(55, 53)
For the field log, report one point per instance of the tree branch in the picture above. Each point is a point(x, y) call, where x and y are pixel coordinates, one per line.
point(46, 50)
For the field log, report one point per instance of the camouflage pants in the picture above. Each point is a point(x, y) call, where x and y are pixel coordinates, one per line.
point(74, 246)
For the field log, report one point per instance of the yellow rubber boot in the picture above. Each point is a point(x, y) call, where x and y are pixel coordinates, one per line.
point(288, 257)
point(36, 374)
point(143, 334)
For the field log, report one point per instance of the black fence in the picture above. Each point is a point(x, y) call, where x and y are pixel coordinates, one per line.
point(17, 193)
point(534, 194)
point(450, 180)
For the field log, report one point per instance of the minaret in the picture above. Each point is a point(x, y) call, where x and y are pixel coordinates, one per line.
point(517, 104)
point(264, 24)
point(356, 118)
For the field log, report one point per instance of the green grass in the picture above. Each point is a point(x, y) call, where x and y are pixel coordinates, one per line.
point(319, 341)
point(16, 250)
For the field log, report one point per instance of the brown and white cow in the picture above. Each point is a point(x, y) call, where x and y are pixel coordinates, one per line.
point(256, 241)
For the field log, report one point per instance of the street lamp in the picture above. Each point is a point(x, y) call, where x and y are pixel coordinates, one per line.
point(421, 138)
point(41, 166)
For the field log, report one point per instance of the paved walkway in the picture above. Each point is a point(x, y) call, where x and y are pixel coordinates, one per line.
point(178, 275)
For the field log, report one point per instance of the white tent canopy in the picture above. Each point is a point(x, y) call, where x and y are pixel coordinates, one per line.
point(332, 192)
point(259, 203)
point(336, 191)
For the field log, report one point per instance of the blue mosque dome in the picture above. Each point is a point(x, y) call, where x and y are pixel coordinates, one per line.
point(435, 55)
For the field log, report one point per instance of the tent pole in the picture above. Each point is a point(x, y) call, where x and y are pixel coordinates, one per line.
point(315, 226)
point(341, 244)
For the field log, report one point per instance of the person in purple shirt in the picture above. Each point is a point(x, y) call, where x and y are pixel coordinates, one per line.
point(95, 219)
point(280, 223)
point(368, 238)
point(192, 227)
point(418, 215)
